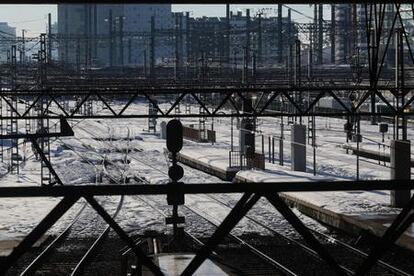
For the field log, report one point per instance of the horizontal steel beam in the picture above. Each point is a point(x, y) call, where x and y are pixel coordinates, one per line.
point(217, 115)
point(224, 102)
point(245, 187)
point(207, 90)
point(191, 2)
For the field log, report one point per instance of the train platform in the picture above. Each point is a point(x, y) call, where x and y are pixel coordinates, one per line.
point(209, 160)
point(380, 154)
point(351, 211)
point(354, 212)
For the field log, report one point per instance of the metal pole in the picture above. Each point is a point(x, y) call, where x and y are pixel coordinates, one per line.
point(310, 57)
point(333, 31)
point(259, 42)
point(357, 157)
point(23, 59)
point(121, 40)
point(270, 148)
point(320, 35)
point(111, 60)
point(152, 49)
point(177, 55)
point(263, 151)
point(279, 34)
point(314, 144)
point(95, 34)
point(231, 132)
point(49, 37)
point(281, 142)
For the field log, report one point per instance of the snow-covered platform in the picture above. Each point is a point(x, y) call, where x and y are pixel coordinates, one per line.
point(379, 155)
point(351, 211)
point(209, 160)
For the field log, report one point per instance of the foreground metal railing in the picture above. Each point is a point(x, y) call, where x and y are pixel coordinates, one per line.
point(252, 192)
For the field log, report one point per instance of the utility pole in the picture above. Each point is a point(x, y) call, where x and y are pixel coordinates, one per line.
point(310, 56)
point(320, 34)
point(90, 36)
point(177, 53)
point(247, 49)
point(298, 63)
point(181, 41)
point(315, 31)
point(228, 40)
point(289, 26)
point(333, 32)
point(187, 38)
point(86, 35)
point(121, 40)
point(152, 49)
point(49, 38)
point(111, 60)
point(23, 52)
point(248, 29)
point(95, 33)
point(66, 27)
point(279, 34)
point(260, 42)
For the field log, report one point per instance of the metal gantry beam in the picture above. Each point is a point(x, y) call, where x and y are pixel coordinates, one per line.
point(270, 102)
point(245, 2)
point(252, 193)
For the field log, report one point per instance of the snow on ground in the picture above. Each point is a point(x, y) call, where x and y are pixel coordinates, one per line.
point(146, 153)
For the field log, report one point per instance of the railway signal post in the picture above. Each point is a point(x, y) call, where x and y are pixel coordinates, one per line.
point(175, 194)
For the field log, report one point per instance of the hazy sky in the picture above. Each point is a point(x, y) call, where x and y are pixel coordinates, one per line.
point(33, 18)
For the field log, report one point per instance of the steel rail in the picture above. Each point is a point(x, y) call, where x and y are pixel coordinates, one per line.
point(82, 263)
point(78, 270)
point(237, 239)
point(30, 269)
point(324, 236)
point(251, 248)
point(240, 241)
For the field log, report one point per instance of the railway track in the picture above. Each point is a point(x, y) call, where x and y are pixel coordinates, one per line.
point(67, 255)
point(349, 256)
point(265, 266)
point(340, 250)
point(54, 260)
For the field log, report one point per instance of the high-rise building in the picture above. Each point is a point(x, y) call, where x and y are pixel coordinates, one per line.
point(110, 35)
point(8, 38)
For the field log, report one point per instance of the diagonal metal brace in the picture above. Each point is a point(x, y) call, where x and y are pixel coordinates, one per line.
point(121, 233)
point(288, 214)
point(54, 215)
point(235, 215)
point(396, 229)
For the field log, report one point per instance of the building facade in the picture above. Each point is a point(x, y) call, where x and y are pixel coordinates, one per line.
point(109, 35)
point(8, 38)
point(145, 35)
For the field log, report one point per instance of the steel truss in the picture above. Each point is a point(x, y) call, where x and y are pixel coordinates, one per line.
point(252, 192)
point(228, 103)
